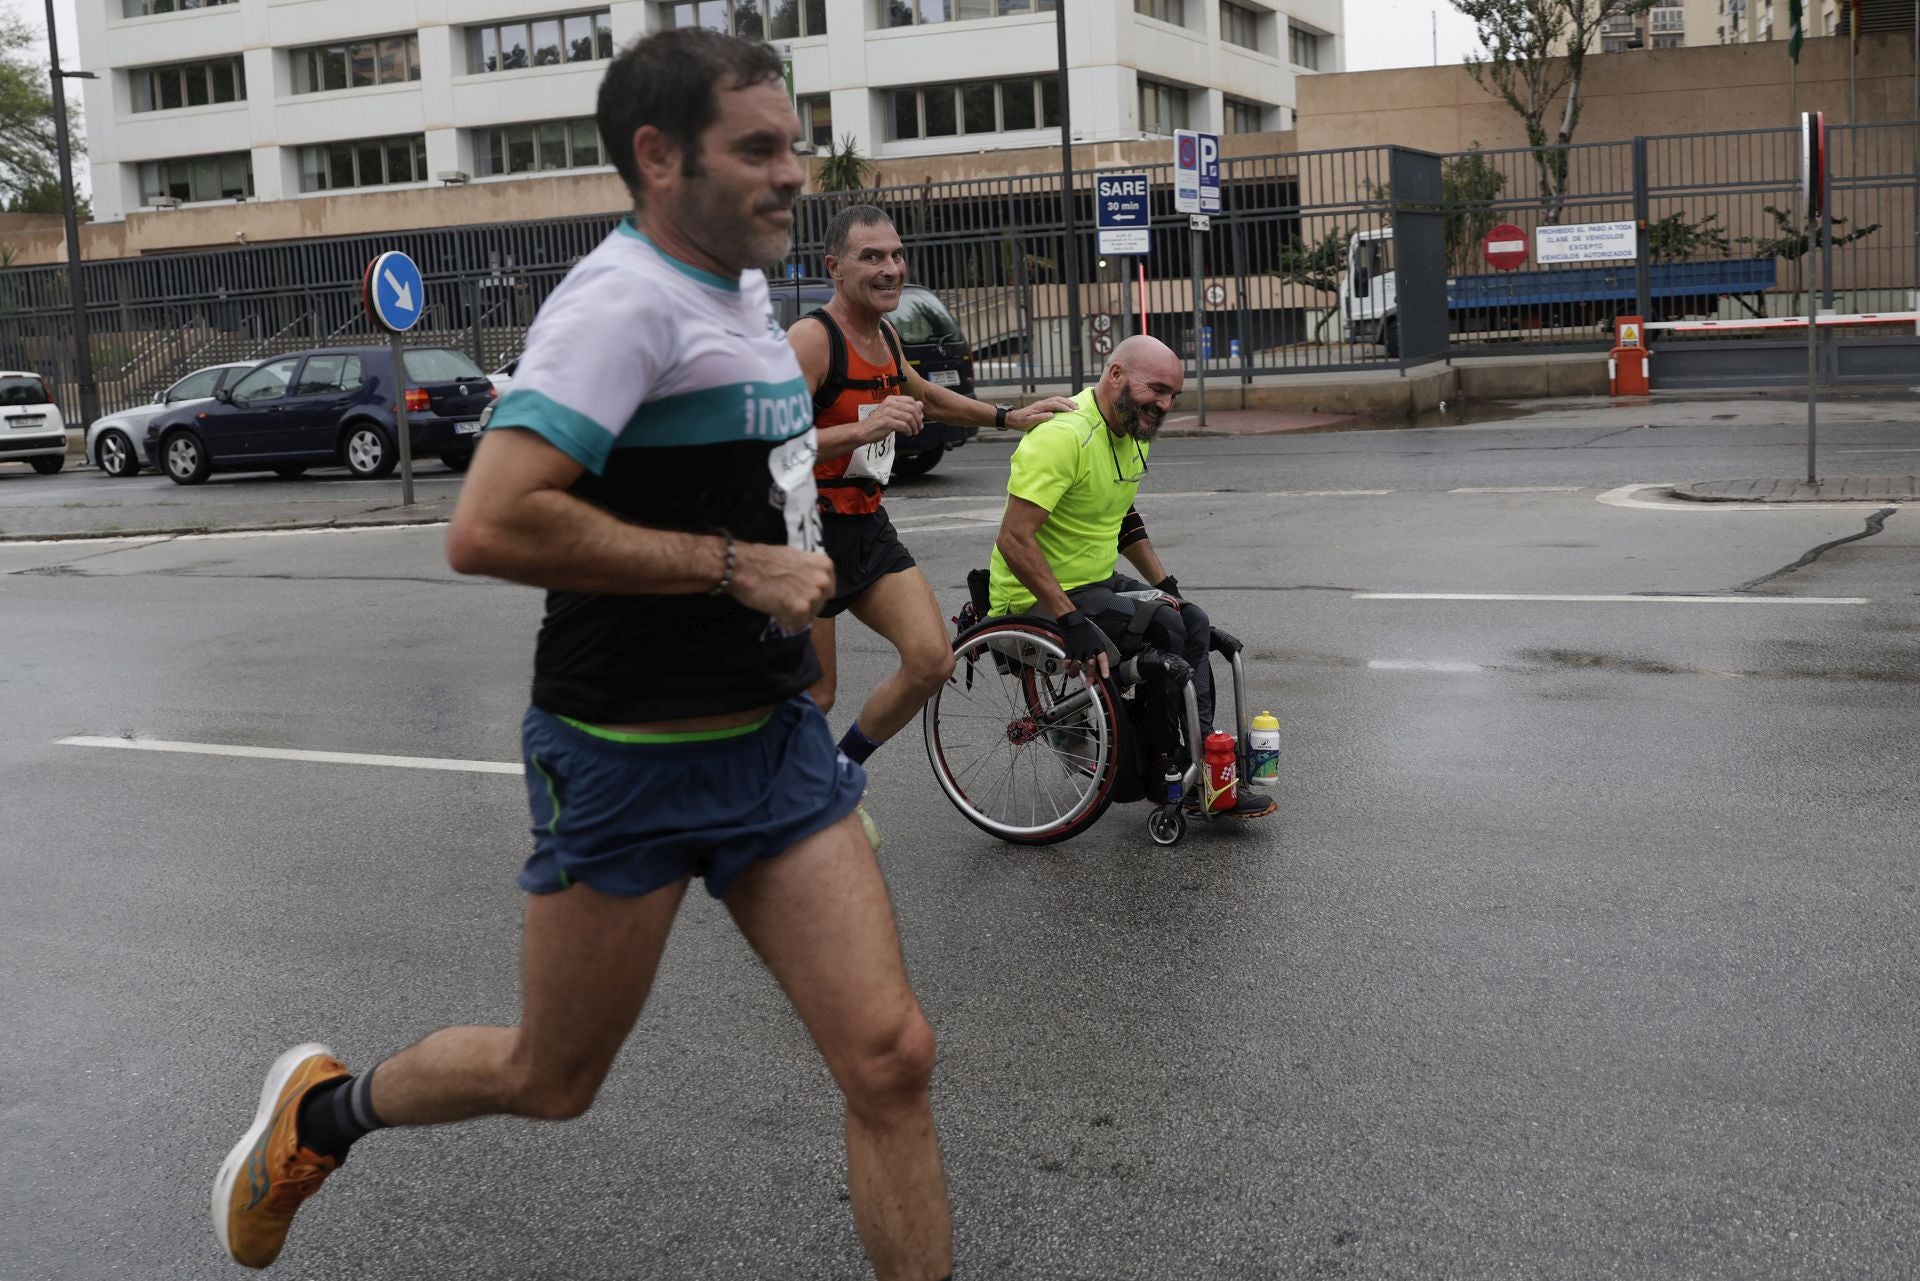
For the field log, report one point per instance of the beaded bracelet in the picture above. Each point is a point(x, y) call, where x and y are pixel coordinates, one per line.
point(726, 573)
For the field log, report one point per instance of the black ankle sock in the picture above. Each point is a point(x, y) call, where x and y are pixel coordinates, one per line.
point(333, 1116)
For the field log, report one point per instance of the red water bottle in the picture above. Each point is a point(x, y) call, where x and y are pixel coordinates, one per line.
point(1222, 752)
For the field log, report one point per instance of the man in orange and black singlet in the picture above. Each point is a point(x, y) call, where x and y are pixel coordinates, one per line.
point(857, 413)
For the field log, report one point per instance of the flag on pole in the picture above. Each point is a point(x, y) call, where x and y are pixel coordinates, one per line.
point(1853, 23)
point(1797, 21)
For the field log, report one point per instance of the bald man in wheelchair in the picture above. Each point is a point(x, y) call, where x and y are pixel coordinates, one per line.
point(1069, 519)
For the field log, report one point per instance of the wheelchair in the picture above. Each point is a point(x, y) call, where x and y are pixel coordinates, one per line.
point(1035, 755)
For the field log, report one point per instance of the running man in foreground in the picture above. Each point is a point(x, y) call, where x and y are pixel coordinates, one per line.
point(1069, 519)
point(653, 469)
point(864, 393)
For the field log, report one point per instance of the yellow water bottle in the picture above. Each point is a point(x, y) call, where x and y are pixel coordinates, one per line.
point(1263, 738)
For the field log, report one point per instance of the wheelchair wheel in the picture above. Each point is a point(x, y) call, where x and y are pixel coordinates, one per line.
point(1021, 748)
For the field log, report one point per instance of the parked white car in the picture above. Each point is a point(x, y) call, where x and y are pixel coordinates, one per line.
point(31, 428)
point(502, 378)
point(113, 442)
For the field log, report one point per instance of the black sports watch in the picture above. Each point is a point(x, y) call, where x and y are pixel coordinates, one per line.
point(1000, 417)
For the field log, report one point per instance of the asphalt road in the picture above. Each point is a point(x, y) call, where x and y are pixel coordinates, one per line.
point(1583, 944)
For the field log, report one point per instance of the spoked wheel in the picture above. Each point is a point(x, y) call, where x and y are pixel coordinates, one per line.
point(1022, 749)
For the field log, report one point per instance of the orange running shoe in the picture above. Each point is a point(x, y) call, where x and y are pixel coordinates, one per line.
point(268, 1174)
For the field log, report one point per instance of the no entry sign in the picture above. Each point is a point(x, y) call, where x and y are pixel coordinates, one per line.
point(1506, 247)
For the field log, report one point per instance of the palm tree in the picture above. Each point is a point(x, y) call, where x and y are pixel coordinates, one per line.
point(843, 169)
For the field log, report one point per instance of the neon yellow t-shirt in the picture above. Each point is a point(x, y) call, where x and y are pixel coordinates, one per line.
point(1085, 476)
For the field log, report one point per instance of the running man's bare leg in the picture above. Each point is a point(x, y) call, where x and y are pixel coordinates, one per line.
point(587, 962)
point(903, 609)
point(819, 917)
point(823, 648)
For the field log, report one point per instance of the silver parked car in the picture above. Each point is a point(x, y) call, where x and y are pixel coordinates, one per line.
point(113, 442)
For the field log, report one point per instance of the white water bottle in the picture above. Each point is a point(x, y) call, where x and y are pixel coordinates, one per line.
point(1263, 738)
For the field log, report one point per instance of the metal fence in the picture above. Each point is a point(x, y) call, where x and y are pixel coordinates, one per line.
point(1724, 237)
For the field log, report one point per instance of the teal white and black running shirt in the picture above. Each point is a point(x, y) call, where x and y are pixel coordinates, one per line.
point(675, 388)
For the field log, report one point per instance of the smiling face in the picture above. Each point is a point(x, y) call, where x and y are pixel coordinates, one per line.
point(1141, 382)
point(733, 195)
point(873, 270)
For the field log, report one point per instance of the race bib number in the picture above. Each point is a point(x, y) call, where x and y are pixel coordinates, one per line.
point(872, 462)
point(793, 493)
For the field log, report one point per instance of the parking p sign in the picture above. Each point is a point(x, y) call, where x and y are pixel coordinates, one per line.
point(1196, 172)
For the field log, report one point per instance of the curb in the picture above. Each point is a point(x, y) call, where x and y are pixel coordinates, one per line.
point(203, 531)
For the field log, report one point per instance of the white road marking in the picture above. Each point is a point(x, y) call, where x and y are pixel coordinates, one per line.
point(1619, 599)
point(142, 540)
point(1628, 496)
point(294, 754)
point(1518, 489)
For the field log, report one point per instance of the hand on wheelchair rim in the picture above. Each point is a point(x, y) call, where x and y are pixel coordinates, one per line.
point(1097, 663)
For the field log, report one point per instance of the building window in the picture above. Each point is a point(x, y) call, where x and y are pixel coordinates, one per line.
point(365, 162)
point(1668, 20)
point(978, 106)
point(1303, 48)
point(1239, 25)
point(358, 65)
point(743, 18)
point(792, 19)
point(146, 8)
point(909, 13)
point(816, 119)
point(222, 177)
point(189, 84)
point(1617, 44)
point(1174, 11)
point(1244, 117)
point(1163, 107)
point(543, 42)
point(538, 148)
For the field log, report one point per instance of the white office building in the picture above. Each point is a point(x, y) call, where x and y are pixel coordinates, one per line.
point(203, 101)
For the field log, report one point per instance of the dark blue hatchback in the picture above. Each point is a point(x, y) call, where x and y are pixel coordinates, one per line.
point(327, 407)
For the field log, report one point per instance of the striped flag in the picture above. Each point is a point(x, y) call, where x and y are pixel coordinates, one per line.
point(1797, 21)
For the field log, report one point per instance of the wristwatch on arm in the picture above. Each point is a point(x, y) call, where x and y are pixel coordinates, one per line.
point(1000, 417)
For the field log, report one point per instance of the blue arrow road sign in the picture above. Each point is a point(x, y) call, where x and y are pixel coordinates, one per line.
point(395, 294)
point(1121, 212)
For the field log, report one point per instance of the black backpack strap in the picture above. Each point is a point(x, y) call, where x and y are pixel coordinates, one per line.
point(836, 379)
point(899, 378)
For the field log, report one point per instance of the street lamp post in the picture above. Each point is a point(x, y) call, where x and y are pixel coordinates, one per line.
point(76, 288)
point(1069, 246)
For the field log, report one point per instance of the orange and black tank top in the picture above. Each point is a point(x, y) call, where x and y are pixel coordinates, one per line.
point(851, 384)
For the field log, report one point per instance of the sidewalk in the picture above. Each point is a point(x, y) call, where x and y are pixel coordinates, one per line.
point(1845, 489)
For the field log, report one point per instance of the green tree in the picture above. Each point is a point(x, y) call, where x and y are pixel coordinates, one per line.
point(1316, 264)
point(1675, 239)
point(1792, 243)
point(1532, 53)
point(1469, 186)
point(28, 150)
point(43, 197)
point(843, 168)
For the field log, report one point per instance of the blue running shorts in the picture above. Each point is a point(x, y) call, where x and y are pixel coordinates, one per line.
point(630, 814)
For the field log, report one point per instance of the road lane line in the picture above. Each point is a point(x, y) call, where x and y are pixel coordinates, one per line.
point(1423, 665)
point(214, 537)
point(1517, 489)
point(294, 754)
point(1620, 599)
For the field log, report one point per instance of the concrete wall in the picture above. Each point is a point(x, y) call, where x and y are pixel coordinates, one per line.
point(1642, 91)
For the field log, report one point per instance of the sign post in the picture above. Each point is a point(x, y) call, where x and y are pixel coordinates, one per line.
point(395, 295)
point(1196, 193)
point(1813, 197)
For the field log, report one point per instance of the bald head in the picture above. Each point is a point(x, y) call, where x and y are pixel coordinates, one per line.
point(1143, 356)
point(1138, 386)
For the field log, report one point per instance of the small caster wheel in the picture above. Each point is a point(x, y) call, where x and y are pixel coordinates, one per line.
point(1167, 825)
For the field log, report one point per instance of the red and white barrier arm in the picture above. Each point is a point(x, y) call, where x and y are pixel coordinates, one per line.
point(1787, 322)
